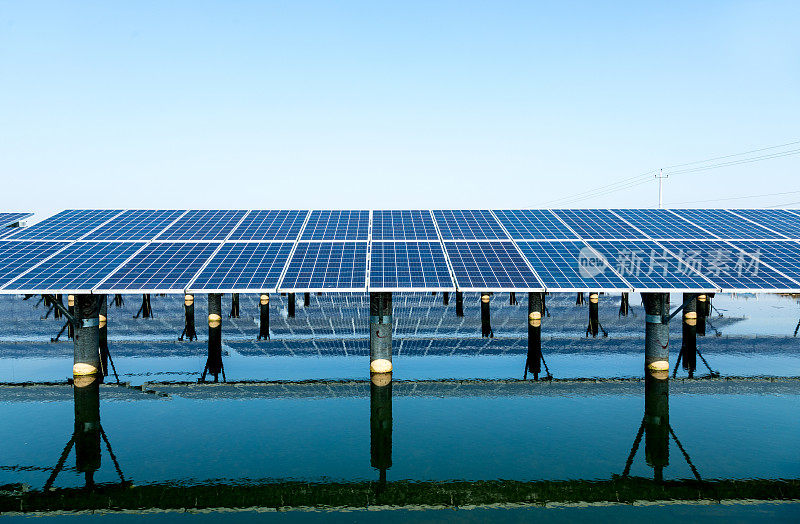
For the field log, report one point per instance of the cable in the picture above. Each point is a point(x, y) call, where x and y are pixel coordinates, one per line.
point(736, 162)
point(624, 183)
point(732, 198)
point(783, 205)
point(733, 155)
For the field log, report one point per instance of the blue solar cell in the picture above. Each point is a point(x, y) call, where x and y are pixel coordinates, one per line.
point(782, 221)
point(135, 224)
point(533, 224)
point(67, 225)
point(571, 266)
point(661, 224)
point(327, 265)
point(725, 224)
point(468, 224)
point(16, 257)
point(650, 267)
point(409, 265)
point(403, 225)
point(728, 267)
point(78, 268)
point(244, 266)
point(337, 225)
point(783, 255)
point(270, 225)
point(160, 267)
point(490, 266)
point(7, 219)
point(598, 224)
point(203, 225)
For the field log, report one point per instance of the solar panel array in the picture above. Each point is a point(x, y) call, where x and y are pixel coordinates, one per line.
point(8, 219)
point(222, 251)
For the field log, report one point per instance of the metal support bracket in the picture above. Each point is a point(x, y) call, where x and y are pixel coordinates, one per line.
point(666, 318)
point(76, 322)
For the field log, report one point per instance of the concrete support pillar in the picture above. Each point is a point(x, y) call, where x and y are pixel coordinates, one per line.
point(594, 315)
point(214, 362)
point(290, 305)
point(533, 361)
point(702, 305)
point(71, 309)
point(103, 335)
point(579, 300)
point(689, 342)
point(147, 309)
point(380, 424)
point(486, 318)
point(234, 305)
point(306, 299)
point(656, 422)
point(512, 299)
point(656, 350)
point(624, 305)
point(459, 304)
point(189, 330)
point(380, 333)
point(57, 312)
point(263, 325)
point(86, 310)
point(118, 301)
point(445, 298)
point(86, 391)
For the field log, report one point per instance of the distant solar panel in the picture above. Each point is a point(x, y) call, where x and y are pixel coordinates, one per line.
point(78, 268)
point(727, 267)
point(781, 220)
point(337, 225)
point(244, 266)
point(270, 225)
point(783, 255)
point(327, 265)
point(403, 225)
point(419, 266)
point(200, 225)
point(490, 266)
point(135, 224)
point(649, 267)
point(19, 256)
point(598, 224)
point(725, 224)
point(7, 219)
point(661, 224)
point(160, 267)
point(533, 224)
point(468, 224)
point(570, 266)
point(67, 225)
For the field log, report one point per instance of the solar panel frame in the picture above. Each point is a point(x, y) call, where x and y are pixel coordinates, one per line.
point(332, 224)
point(661, 224)
point(567, 266)
point(20, 256)
point(277, 225)
point(403, 224)
point(533, 224)
point(70, 224)
point(424, 267)
point(726, 225)
point(203, 225)
point(490, 266)
point(598, 224)
point(303, 274)
point(781, 221)
point(468, 224)
point(227, 270)
point(136, 225)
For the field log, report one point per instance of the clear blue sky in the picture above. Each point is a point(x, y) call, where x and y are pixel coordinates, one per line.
point(236, 104)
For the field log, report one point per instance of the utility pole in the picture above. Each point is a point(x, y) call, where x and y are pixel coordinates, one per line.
point(661, 176)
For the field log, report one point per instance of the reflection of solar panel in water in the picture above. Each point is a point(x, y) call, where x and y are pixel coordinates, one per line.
point(327, 265)
point(468, 224)
point(403, 225)
point(78, 268)
point(780, 220)
point(725, 224)
point(270, 225)
point(649, 267)
point(244, 266)
point(783, 255)
point(17, 257)
point(569, 266)
point(533, 224)
point(728, 267)
point(160, 267)
point(67, 225)
point(597, 224)
point(661, 224)
point(409, 265)
point(135, 224)
point(203, 225)
point(490, 266)
point(337, 225)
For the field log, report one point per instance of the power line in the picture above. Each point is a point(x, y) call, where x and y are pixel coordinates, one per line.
point(783, 205)
point(736, 162)
point(733, 198)
point(733, 155)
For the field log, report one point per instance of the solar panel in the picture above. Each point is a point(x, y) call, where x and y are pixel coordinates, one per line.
point(403, 225)
point(67, 225)
point(490, 266)
point(270, 225)
point(203, 225)
point(17, 257)
point(468, 224)
point(783, 255)
point(571, 266)
point(327, 265)
point(649, 267)
point(8, 219)
point(597, 224)
point(244, 266)
point(135, 224)
point(661, 224)
point(533, 224)
point(337, 225)
point(160, 267)
point(420, 266)
point(725, 224)
point(78, 268)
point(781, 220)
point(727, 267)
